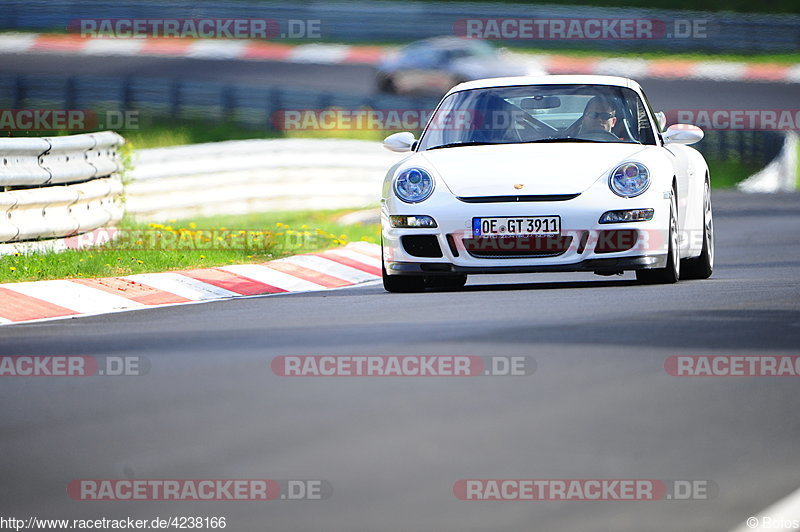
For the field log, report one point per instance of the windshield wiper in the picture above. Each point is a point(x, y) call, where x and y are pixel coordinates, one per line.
point(470, 143)
point(576, 139)
point(562, 139)
point(542, 141)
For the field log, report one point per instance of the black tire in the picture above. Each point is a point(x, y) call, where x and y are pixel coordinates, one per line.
point(447, 282)
point(402, 283)
point(672, 271)
point(701, 267)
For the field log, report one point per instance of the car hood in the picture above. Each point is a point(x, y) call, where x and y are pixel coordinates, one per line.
point(492, 170)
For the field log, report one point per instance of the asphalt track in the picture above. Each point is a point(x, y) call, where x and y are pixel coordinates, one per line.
point(360, 79)
point(600, 404)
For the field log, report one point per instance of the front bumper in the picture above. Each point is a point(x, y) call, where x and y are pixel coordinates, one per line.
point(588, 265)
point(581, 233)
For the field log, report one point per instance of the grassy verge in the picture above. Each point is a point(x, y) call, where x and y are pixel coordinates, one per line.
point(726, 174)
point(798, 165)
point(185, 244)
point(160, 133)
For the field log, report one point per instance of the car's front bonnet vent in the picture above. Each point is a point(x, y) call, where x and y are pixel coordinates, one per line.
point(513, 199)
point(518, 247)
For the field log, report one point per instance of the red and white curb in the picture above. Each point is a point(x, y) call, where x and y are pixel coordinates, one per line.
point(191, 48)
point(356, 263)
point(322, 53)
point(673, 69)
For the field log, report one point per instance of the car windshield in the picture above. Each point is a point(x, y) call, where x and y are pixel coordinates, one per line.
point(539, 113)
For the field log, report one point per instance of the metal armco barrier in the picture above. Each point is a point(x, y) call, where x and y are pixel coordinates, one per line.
point(238, 177)
point(58, 187)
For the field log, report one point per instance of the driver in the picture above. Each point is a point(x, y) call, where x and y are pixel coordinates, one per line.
point(599, 115)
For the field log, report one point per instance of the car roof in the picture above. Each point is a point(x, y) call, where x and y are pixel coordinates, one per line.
point(547, 80)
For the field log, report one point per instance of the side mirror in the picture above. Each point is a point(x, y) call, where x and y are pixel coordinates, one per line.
point(400, 142)
point(661, 120)
point(682, 134)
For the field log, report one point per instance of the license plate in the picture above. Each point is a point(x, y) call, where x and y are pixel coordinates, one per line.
point(517, 226)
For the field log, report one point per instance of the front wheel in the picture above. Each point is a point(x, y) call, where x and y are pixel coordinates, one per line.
point(402, 283)
point(702, 266)
point(672, 271)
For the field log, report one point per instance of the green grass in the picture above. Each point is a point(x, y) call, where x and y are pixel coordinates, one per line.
point(160, 133)
point(146, 248)
point(726, 174)
point(798, 165)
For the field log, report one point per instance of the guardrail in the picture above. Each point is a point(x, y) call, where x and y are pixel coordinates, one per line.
point(237, 177)
point(57, 187)
point(407, 21)
point(781, 174)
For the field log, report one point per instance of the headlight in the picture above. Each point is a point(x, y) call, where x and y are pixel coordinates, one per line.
point(413, 185)
point(412, 221)
point(629, 179)
point(632, 215)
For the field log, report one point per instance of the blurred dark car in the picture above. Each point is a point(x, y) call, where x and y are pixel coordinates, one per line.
point(433, 66)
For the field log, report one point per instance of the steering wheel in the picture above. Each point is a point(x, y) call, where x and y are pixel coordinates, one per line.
point(533, 125)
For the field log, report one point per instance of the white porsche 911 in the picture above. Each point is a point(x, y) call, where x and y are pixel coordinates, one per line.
point(546, 174)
